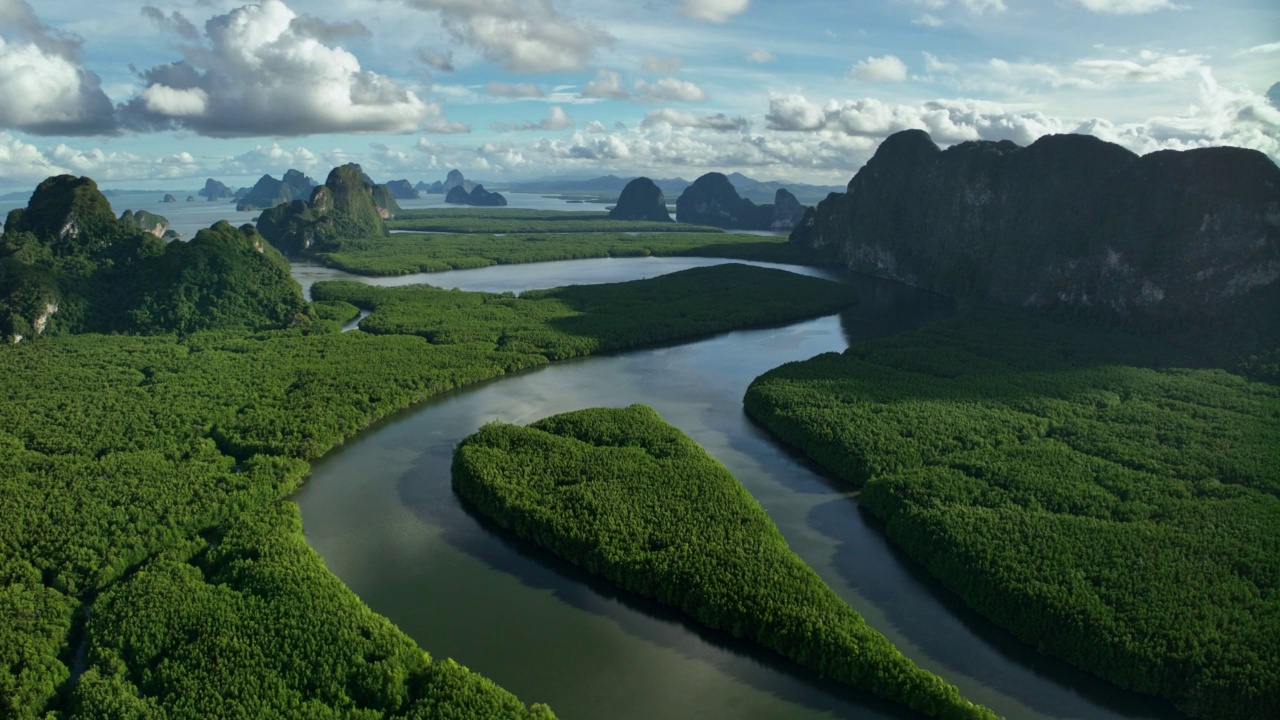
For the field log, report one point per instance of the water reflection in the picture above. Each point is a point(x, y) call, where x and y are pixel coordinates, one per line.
point(382, 513)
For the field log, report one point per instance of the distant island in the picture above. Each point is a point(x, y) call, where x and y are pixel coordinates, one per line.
point(269, 192)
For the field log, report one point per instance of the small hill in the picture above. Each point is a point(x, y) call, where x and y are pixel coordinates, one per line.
point(403, 190)
point(214, 191)
point(713, 200)
point(67, 265)
point(347, 206)
point(269, 192)
point(641, 199)
point(478, 197)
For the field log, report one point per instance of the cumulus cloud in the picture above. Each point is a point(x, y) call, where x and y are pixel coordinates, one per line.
point(556, 119)
point(520, 90)
point(718, 122)
point(175, 22)
point(523, 35)
point(1273, 95)
point(1126, 7)
point(928, 20)
point(670, 89)
point(265, 70)
point(934, 65)
point(760, 57)
point(880, 69)
point(607, 85)
point(44, 88)
point(716, 11)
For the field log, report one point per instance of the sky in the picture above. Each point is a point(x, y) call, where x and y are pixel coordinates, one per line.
point(162, 94)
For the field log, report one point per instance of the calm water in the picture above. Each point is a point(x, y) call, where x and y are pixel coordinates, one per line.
point(382, 513)
point(189, 218)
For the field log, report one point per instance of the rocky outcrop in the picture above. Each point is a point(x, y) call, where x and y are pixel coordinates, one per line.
point(214, 191)
point(68, 214)
point(402, 190)
point(346, 207)
point(478, 197)
point(712, 200)
point(1069, 221)
point(641, 199)
point(787, 211)
point(168, 199)
point(435, 188)
point(149, 222)
point(269, 192)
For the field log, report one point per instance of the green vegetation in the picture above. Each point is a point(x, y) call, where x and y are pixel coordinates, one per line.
point(582, 319)
point(403, 254)
point(529, 221)
point(124, 453)
point(348, 205)
point(248, 623)
point(68, 265)
point(627, 496)
point(1121, 517)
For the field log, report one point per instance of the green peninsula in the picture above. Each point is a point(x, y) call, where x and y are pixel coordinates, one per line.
point(626, 496)
point(1072, 485)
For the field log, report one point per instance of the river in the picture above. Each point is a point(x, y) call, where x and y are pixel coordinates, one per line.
point(381, 512)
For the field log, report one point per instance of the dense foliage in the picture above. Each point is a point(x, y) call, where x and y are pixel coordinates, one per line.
point(629, 497)
point(119, 449)
point(1124, 518)
point(68, 265)
point(403, 254)
point(348, 205)
point(248, 623)
point(490, 220)
point(582, 319)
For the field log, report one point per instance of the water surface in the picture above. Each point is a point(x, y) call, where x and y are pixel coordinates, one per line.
point(382, 513)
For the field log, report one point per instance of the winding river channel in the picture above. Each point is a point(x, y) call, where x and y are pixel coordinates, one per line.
point(381, 512)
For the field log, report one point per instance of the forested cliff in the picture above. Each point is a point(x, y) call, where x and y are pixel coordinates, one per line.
point(1069, 221)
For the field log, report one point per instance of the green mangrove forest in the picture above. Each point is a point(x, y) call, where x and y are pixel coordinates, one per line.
point(1072, 485)
point(403, 254)
point(629, 497)
point(148, 567)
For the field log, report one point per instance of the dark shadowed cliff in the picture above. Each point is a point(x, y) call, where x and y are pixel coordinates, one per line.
point(1070, 221)
point(713, 200)
point(641, 199)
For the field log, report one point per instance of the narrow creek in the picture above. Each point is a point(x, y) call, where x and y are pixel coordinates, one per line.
point(381, 512)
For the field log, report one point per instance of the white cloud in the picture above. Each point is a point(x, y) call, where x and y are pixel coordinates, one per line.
point(760, 57)
point(1261, 49)
point(264, 71)
point(44, 88)
point(928, 20)
point(607, 85)
point(523, 35)
point(880, 69)
point(1273, 95)
point(556, 119)
point(794, 113)
point(507, 90)
point(933, 64)
point(435, 122)
point(716, 11)
point(1126, 7)
point(670, 89)
point(1156, 69)
point(718, 122)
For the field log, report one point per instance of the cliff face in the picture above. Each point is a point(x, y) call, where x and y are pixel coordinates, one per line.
point(713, 200)
point(641, 199)
point(214, 191)
point(1069, 221)
point(403, 190)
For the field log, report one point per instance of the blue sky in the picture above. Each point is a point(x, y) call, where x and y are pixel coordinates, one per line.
point(164, 94)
